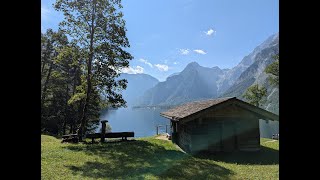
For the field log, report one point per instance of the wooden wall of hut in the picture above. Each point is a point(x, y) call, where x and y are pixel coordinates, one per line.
point(227, 130)
point(184, 137)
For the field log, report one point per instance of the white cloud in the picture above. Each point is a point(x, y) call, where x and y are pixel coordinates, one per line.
point(146, 62)
point(199, 51)
point(184, 51)
point(133, 70)
point(210, 32)
point(175, 63)
point(162, 67)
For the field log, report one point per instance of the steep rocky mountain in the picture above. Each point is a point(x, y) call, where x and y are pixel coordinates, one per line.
point(255, 74)
point(231, 76)
point(137, 85)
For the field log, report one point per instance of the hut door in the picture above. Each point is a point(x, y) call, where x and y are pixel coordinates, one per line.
point(228, 136)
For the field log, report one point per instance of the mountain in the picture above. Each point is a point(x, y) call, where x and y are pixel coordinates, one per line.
point(137, 85)
point(255, 74)
point(173, 74)
point(261, 58)
point(232, 75)
point(196, 82)
point(193, 83)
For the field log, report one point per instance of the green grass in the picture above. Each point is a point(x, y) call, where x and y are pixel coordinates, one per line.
point(150, 158)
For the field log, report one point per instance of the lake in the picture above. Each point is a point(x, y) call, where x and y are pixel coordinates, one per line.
point(142, 121)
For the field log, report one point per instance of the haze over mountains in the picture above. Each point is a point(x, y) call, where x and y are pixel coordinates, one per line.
point(190, 84)
point(255, 74)
point(197, 83)
point(137, 84)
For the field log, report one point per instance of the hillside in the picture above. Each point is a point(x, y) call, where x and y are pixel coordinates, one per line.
point(137, 85)
point(231, 77)
point(150, 158)
point(189, 85)
point(255, 74)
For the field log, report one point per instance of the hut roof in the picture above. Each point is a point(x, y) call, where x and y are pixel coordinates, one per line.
point(196, 107)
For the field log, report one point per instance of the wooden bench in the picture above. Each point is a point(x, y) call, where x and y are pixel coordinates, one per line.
point(70, 138)
point(122, 135)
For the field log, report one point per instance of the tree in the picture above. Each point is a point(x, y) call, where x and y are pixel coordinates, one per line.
point(98, 28)
point(273, 70)
point(51, 43)
point(68, 77)
point(62, 77)
point(254, 94)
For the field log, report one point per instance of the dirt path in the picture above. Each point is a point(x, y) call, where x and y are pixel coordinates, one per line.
point(162, 137)
point(270, 141)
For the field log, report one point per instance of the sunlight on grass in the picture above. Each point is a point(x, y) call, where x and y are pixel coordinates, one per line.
point(150, 158)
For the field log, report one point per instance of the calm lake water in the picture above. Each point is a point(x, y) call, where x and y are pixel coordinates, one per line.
point(142, 121)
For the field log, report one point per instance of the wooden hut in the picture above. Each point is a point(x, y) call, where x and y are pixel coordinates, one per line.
point(224, 124)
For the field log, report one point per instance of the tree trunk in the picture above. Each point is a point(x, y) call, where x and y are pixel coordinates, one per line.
point(76, 115)
point(89, 63)
point(45, 86)
point(42, 68)
point(64, 128)
point(45, 58)
point(66, 114)
point(71, 128)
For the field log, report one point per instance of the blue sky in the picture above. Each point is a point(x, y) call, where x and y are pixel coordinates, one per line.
point(166, 35)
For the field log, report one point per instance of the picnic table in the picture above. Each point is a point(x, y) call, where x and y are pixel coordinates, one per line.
point(70, 138)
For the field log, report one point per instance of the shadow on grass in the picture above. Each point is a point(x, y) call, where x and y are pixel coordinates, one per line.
point(265, 156)
point(140, 159)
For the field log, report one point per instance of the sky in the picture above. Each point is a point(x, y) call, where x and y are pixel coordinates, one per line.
point(166, 35)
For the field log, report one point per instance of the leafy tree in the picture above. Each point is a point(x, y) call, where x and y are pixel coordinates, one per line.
point(254, 94)
point(273, 70)
point(98, 28)
point(62, 72)
point(68, 77)
point(51, 43)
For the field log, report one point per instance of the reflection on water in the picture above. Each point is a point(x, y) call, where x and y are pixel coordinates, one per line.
point(142, 121)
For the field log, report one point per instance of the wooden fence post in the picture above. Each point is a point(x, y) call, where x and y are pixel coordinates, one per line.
point(103, 130)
